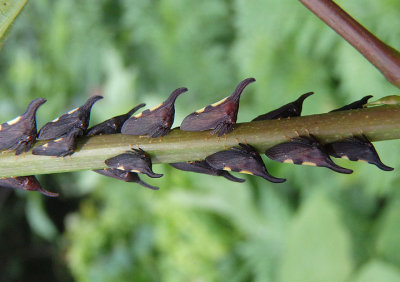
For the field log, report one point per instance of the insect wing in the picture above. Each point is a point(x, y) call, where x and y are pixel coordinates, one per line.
point(124, 176)
point(20, 132)
point(220, 116)
point(194, 166)
point(150, 123)
point(208, 119)
point(77, 118)
point(155, 122)
point(240, 160)
point(303, 151)
point(53, 130)
point(112, 125)
point(9, 136)
point(204, 168)
point(356, 149)
point(132, 162)
point(28, 183)
point(59, 147)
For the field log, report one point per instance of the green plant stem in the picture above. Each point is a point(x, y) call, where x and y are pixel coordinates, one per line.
point(378, 123)
point(383, 57)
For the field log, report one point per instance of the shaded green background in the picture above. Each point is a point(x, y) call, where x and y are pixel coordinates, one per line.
point(318, 226)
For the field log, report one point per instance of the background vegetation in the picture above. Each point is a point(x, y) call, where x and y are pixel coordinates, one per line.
point(318, 226)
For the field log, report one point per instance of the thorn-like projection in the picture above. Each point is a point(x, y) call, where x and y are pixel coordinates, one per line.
point(60, 147)
point(126, 176)
point(243, 159)
point(77, 118)
point(205, 168)
point(292, 109)
point(387, 100)
point(359, 104)
point(27, 183)
point(20, 133)
point(220, 116)
point(112, 125)
point(357, 148)
point(133, 161)
point(155, 122)
point(303, 151)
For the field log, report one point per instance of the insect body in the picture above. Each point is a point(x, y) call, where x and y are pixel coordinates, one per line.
point(28, 183)
point(77, 118)
point(155, 122)
point(20, 133)
point(64, 130)
point(357, 148)
point(123, 175)
point(292, 109)
point(243, 159)
point(303, 151)
point(133, 161)
point(205, 168)
point(355, 105)
point(112, 125)
point(221, 116)
point(60, 147)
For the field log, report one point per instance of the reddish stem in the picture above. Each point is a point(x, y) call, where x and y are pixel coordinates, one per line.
point(383, 57)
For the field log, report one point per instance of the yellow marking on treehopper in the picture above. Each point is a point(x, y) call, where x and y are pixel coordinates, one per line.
point(156, 107)
point(138, 115)
point(246, 172)
point(219, 102)
point(309, 163)
point(14, 121)
point(73, 111)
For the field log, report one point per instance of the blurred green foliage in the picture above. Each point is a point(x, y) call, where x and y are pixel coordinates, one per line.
point(318, 226)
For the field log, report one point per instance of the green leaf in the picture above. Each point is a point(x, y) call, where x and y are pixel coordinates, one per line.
point(378, 271)
point(38, 219)
point(8, 12)
point(318, 246)
point(388, 244)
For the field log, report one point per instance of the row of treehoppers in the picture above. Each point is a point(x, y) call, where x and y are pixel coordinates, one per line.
point(20, 133)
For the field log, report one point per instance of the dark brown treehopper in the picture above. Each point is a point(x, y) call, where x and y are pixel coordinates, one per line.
point(292, 109)
point(20, 133)
point(243, 159)
point(126, 176)
point(133, 161)
point(303, 151)
point(155, 122)
point(357, 148)
point(205, 168)
point(77, 118)
point(27, 183)
point(112, 125)
point(359, 104)
point(60, 147)
point(220, 116)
